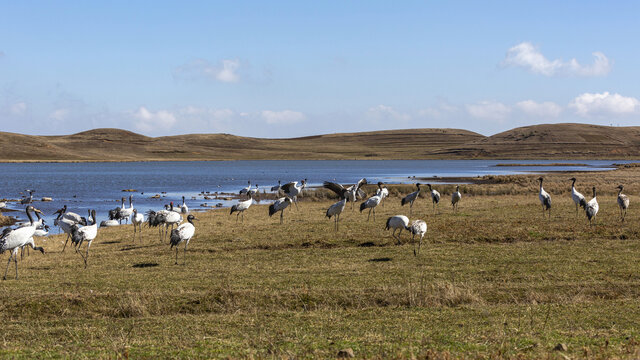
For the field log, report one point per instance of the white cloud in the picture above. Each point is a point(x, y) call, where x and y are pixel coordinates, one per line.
point(604, 104)
point(441, 110)
point(224, 71)
point(490, 110)
point(18, 108)
point(387, 113)
point(153, 121)
point(545, 109)
point(527, 56)
point(282, 117)
point(59, 114)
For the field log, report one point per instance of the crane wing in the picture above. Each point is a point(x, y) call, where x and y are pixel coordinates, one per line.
point(288, 187)
point(336, 188)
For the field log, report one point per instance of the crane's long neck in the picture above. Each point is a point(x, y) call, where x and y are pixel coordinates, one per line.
point(619, 191)
point(573, 185)
point(594, 192)
point(29, 216)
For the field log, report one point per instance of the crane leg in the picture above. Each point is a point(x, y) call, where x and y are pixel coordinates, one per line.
point(374, 214)
point(281, 216)
point(413, 240)
point(369, 215)
point(184, 261)
point(15, 259)
point(7, 269)
point(65, 243)
point(243, 217)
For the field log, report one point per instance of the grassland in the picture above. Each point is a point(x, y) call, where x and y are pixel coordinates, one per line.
point(492, 281)
point(550, 141)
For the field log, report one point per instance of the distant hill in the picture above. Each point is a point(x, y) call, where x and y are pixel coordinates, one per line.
point(557, 141)
point(554, 141)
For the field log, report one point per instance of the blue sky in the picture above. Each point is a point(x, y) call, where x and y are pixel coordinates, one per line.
point(280, 69)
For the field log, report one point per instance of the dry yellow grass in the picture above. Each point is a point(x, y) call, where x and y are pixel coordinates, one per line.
point(493, 280)
point(549, 141)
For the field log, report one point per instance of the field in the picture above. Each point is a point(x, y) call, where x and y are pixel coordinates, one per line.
point(493, 280)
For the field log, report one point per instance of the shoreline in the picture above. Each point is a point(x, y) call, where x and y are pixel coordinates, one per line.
point(53, 161)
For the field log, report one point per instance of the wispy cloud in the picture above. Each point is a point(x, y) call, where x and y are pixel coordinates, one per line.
point(543, 110)
point(59, 114)
point(282, 117)
point(528, 57)
point(19, 108)
point(224, 71)
point(489, 110)
point(150, 121)
point(604, 104)
point(384, 113)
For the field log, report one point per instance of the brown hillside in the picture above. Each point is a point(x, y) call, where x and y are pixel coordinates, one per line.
point(556, 141)
point(120, 145)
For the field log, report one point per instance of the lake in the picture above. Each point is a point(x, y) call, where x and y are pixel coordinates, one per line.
point(99, 185)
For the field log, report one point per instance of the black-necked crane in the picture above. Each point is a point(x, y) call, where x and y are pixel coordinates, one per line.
point(435, 197)
point(279, 205)
point(125, 212)
point(397, 222)
point(184, 209)
point(292, 190)
point(241, 207)
point(276, 188)
point(183, 233)
point(545, 199)
point(592, 208)
point(27, 200)
point(245, 191)
point(417, 227)
point(65, 214)
point(66, 223)
point(371, 204)
point(172, 218)
point(156, 219)
point(623, 202)
point(85, 234)
point(353, 191)
point(455, 198)
point(137, 219)
point(336, 209)
point(409, 199)
point(382, 191)
point(578, 199)
point(254, 191)
point(356, 191)
point(14, 239)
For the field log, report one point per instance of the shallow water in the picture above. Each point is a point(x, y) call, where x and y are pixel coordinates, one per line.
point(99, 186)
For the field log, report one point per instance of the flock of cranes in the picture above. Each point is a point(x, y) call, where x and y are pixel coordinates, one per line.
point(169, 221)
point(590, 207)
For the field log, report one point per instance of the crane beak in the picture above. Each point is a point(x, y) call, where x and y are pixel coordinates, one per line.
point(38, 211)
